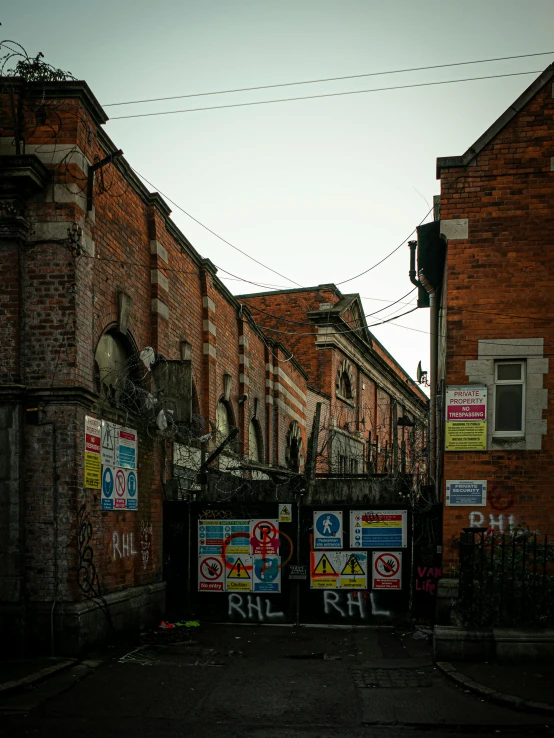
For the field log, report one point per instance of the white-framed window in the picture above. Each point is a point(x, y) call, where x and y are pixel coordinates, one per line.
point(509, 398)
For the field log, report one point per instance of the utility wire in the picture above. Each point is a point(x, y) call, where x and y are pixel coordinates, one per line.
point(327, 94)
point(326, 79)
point(344, 281)
point(213, 232)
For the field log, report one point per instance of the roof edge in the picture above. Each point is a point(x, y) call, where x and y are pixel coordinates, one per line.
point(444, 162)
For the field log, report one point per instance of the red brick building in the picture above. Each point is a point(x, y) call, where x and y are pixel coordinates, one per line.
point(364, 392)
point(109, 313)
point(494, 328)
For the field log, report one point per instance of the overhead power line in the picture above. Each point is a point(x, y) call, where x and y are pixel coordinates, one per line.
point(326, 79)
point(213, 232)
point(326, 94)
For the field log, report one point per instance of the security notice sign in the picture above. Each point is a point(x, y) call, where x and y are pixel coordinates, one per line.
point(126, 447)
point(92, 434)
point(466, 418)
point(466, 492)
point(211, 574)
point(386, 570)
point(328, 529)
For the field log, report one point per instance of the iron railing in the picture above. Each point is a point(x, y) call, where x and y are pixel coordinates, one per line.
point(506, 579)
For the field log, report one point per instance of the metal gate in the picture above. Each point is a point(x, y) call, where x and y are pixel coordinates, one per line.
point(224, 585)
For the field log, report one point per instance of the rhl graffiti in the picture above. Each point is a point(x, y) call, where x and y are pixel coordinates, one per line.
point(255, 609)
point(502, 523)
point(123, 546)
point(352, 605)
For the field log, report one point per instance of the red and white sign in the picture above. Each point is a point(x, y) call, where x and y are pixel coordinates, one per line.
point(120, 497)
point(466, 403)
point(211, 574)
point(93, 431)
point(264, 536)
point(386, 570)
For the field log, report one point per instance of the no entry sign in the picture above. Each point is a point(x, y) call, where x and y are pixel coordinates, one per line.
point(211, 574)
point(386, 570)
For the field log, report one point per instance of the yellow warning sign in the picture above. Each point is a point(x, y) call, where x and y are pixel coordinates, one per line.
point(285, 515)
point(93, 470)
point(324, 567)
point(238, 571)
point(238, 574)
point(353, 568)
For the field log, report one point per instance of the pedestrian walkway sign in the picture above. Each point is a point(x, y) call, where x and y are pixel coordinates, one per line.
point(328, 529)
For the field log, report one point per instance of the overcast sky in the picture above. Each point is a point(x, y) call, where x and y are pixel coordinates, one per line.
point(318, 190)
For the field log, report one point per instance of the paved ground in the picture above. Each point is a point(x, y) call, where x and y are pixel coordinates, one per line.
point(249, 682)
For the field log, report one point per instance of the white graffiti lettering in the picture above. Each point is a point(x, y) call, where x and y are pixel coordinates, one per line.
point(145, 542)
point(252, 608)
point(501, 523)
point(123, 547)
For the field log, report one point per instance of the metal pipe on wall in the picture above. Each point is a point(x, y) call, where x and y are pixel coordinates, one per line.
point(433, 376)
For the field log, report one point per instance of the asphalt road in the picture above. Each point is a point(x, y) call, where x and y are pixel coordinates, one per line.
point(254, 682)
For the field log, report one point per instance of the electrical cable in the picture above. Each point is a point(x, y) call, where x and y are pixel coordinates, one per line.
point(328, 79)
point(210, 230)
point(326, 94)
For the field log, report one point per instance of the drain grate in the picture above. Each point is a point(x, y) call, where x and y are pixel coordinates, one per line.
point(390, 678)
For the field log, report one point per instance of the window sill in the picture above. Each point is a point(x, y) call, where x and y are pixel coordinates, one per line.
point(345, 400)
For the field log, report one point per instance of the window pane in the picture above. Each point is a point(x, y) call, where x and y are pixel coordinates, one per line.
point(508, 411)
point(509, 371)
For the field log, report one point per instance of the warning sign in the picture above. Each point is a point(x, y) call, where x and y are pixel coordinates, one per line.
point(107, 446)
point(239, 573)
point(324, 569)
point(120, 497)
point(93, 471)
point(387, 570)
point(285, 514)
point(264, 537)
point(92, 434)
point(266, 574)
point(354, 573)
point(211, 574)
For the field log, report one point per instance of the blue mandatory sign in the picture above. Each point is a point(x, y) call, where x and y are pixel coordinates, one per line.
point(107, 482)
point(132, 484)
point(327, 530)
point(328, 525)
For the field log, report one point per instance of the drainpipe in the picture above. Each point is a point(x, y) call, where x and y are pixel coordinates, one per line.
point(433, 375)
point(412, 245)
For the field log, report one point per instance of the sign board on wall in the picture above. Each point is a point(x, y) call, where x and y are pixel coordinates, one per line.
point(238, 577)
point(264, 536)
point(126, 448)
point(378, 528)
point(119, 489)
point(462, 492)
point(107, 446)
point(93, 470)
point(466, 418)
point(92, 434)
point(285, 513)
point(266, 574)
point(211, 574)
point(386, 570)
point(327, 528)
point(215, 535)
point(338, 570)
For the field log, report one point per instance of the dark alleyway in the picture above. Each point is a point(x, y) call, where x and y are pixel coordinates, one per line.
point(236, 681)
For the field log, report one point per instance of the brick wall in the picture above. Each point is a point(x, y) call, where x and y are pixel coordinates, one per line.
point(68, 302)
point(499, 288)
